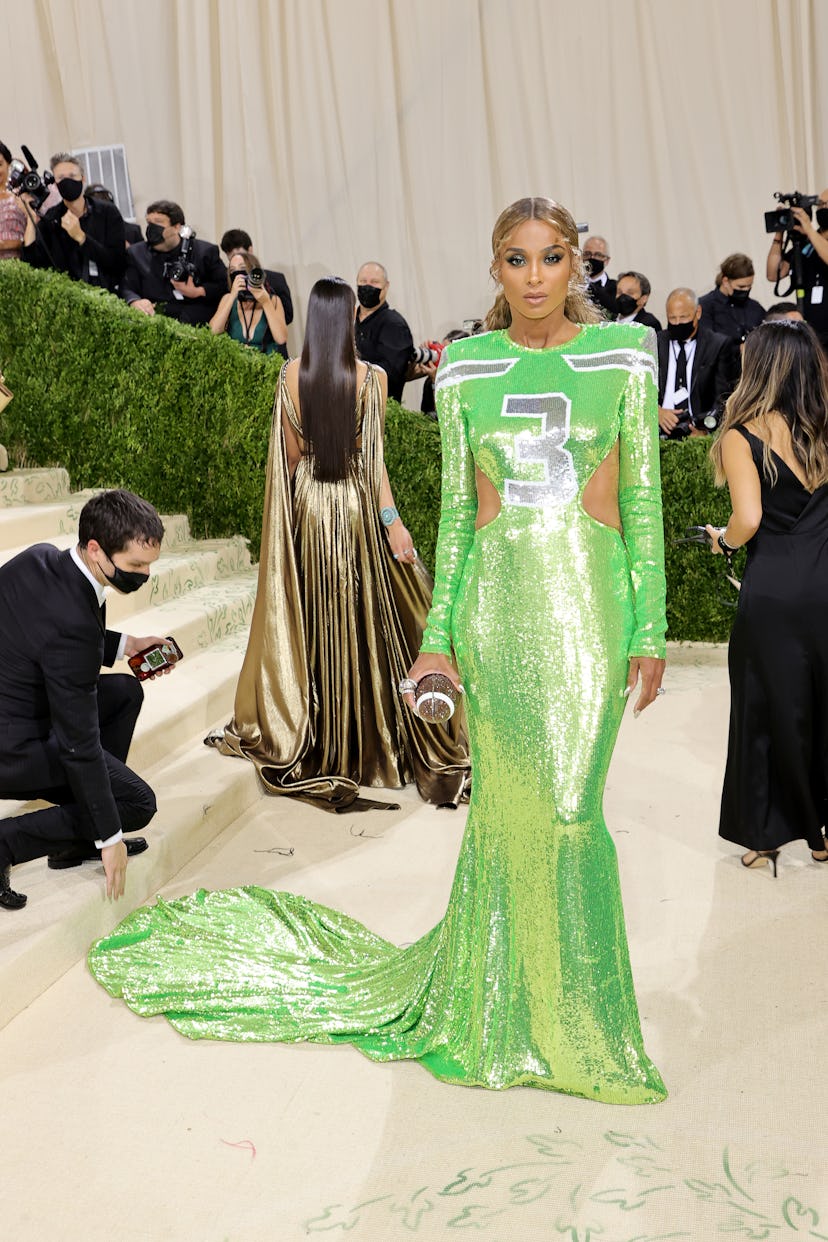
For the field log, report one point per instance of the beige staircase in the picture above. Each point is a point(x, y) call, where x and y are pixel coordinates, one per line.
point(201, 591)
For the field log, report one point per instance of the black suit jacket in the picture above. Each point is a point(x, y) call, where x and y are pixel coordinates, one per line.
point(714, 374)
point(649, 321)
point(53, 642)
point(104, 244)
point(603, 295)
point(144, 278)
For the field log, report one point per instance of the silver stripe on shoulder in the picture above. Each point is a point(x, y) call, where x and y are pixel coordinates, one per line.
point(633, 360)
point(473, 368)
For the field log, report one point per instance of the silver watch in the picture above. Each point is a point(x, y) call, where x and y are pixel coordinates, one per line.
point(388, 515)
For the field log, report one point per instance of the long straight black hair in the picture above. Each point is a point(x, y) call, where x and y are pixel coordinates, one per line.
point(327, 379)
point(784, 372)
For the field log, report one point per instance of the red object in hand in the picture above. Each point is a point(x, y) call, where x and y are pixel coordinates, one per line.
point(155, 658)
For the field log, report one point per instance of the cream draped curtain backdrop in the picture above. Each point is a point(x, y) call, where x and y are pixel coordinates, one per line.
point(337, 131)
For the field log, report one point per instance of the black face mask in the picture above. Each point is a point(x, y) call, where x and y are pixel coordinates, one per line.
point(680, 331)
point(124, 580)
point(626, 304)
point(155, 234)
point(822, 217)
point(70, 189)
point(596, 266)
point(739, 296)
point(369, 296)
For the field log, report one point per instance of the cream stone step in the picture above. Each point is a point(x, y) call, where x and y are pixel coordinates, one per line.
point(25, 524)
point(178, 572)
point(16, 536)
point(187, 702)
point(176, 534)
point(198, 618)
point(199, 794)
point(38, 486)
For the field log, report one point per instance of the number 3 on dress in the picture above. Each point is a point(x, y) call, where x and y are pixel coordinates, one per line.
point(559, 484)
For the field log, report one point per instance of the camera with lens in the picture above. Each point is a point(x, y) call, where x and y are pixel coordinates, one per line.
point(23, 180)
point(782, 220)
point(182, 265)
point(428, 354)
point(710, 421)
point(254, 279)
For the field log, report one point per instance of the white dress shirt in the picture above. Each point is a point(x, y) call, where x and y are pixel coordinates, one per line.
point(678, 399)
point(100, 592)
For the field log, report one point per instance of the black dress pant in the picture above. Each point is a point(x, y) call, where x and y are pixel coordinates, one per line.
point(24, 837)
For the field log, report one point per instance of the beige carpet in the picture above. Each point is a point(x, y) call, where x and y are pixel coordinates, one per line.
point(118, 1128)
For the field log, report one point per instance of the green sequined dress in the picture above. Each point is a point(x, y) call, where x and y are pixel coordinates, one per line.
point(526, 980)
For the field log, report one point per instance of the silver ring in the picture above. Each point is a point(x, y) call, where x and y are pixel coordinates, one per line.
point(661, 690)
point(407, 686)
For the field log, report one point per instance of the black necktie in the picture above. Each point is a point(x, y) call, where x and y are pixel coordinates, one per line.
point(681, 367)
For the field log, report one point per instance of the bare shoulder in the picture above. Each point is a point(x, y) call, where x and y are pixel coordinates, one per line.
point(734, 436)
point(292, 378)
point(381, 374)
point(736, 449)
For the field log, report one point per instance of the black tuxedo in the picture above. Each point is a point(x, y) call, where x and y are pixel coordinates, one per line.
point(648, 320)
point(714, 374)
point(64, 730)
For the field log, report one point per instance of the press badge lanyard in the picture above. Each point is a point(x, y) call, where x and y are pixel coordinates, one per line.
point(817, 288)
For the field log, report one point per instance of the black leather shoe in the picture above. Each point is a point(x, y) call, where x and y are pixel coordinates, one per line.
point(74, 855)
point(9, 899)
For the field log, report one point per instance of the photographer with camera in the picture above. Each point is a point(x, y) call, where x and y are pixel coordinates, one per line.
point(84, 238)
point(426, 361)
point(173, 273)
point(240, 239)
point(249, 312)
point(696, 370)
point(382, 335)
point(798, 244)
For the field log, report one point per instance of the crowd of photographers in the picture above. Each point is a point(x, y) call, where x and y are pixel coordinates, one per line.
point(56, 220)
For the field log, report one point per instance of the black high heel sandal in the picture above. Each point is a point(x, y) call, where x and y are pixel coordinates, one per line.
point(760, 857)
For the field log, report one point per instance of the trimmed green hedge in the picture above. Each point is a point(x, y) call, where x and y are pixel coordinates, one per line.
point(183, 418)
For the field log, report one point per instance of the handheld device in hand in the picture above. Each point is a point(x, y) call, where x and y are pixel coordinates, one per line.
point(155, 658)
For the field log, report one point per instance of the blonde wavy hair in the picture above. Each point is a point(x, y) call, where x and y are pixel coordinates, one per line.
point(784, 372)
point(579, 307)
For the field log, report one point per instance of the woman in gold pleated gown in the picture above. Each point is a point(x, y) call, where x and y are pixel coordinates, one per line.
point(342, 597)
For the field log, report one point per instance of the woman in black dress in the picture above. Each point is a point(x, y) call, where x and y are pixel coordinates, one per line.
point(773, 454)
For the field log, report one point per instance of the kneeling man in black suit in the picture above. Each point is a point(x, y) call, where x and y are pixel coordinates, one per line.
point(65, 731)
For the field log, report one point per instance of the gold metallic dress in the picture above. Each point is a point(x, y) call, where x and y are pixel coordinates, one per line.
point(337, 623)
point(526, 980)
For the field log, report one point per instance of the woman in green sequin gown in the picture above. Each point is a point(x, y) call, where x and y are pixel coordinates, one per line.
point(551, 614)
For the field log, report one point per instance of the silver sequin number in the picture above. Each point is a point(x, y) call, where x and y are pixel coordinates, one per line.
point(559, 483)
